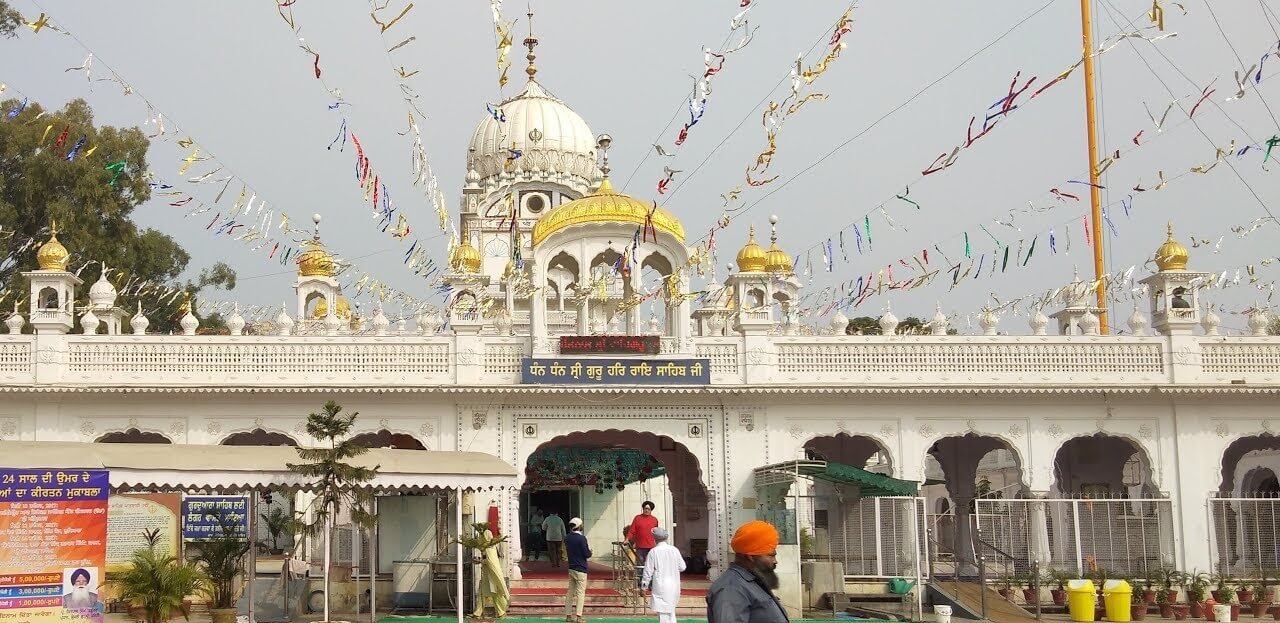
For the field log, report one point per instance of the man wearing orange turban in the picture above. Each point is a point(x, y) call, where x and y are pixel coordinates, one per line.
point(744, 594)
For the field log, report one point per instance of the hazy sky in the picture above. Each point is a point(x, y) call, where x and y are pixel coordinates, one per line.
point(231, 75)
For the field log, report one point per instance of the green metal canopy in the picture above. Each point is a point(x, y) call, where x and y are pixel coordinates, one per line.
point(870, 484)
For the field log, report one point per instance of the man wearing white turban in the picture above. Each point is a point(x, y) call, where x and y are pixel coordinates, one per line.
point(661, 577)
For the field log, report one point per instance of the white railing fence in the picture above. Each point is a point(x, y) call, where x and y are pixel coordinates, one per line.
point(1123, 537)
point(880, 537)
point(1245, 534)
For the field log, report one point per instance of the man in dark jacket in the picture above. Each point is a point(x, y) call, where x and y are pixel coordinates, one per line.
point(576, 544)
point(744, 594)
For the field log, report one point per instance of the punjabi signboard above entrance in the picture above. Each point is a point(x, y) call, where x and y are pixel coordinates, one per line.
point(610, 345)
point(603, 371)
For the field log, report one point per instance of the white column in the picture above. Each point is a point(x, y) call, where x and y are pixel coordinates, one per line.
point(1195, 482)
point(458, 549)
point(538, 306)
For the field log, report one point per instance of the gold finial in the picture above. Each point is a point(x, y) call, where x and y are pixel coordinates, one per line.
point(602, 143)
point(1170, 230)
point(1171, 255)
point(531, 42)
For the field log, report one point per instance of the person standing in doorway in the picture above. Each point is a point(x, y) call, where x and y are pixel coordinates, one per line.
point(553, 530)
point(579, 553)
point(661, 577)
point(533, 534)
point(640, 533)
point(744, 594)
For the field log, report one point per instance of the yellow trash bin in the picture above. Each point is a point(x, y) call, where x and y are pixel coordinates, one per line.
point(1117, 596)
point(1082, 600)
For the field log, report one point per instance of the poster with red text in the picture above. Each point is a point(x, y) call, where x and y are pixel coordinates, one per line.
point(53, 544)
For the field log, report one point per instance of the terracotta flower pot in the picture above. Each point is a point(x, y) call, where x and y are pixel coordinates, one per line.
point(1138, 612)
point(1030, 595)
point(1007, 593)
point(1196, 609)
point(1245, 597)
point(1166, 610)
point(1275, 613)
point(1260, 608)
point(1179, 612)
point(1059, 597)
point(1171, 596)
point(1235, 612)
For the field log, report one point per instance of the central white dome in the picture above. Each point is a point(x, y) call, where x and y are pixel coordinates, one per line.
point(552, 138)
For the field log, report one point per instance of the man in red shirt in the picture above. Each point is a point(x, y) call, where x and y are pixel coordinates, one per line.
point(640, 533)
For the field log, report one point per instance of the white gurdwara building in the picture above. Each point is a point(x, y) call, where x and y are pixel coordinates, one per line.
point(914, 453)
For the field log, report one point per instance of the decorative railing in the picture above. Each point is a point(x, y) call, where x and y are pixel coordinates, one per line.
point(969, 359)
point(827, 360)
point(258, 360)
point(16, 359)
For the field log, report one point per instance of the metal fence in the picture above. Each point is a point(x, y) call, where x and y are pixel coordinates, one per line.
point(1245, 534)
point(1130, 537)
point(879, 537)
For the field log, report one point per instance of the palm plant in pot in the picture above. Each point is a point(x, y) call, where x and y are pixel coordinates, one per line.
point(156, 584)
point(1148, 593)
point(1168, 578)
point(1059, 578)
point(222, 558)
point(1006, 586)
point(1166, 606)
point(1221, 587)
point(1196, 585)
point(1030, 584)
point(277, 523)
point(1137, 605)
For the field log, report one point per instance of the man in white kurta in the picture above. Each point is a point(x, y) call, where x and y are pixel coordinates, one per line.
point(662, 577)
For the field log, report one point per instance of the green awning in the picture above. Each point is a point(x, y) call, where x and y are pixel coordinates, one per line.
point(872, 484)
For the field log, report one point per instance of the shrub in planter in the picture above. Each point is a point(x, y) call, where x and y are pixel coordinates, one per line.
point(1005, 589)
point(1166, 605)
point(222, 558)
point(1138, 609)
point(1259, 608)
point(1058, 578)
point(1180, 612)
point(1167, 578)
point(1244, 592)
point(157, 583)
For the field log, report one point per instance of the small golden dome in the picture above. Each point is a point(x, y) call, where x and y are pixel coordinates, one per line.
point(322, 309)
point(316, 261)
point(777, 260)
point(751, 258)
point(1172, 255)
point(466, 258)
point(605, 205)
point(52, 255)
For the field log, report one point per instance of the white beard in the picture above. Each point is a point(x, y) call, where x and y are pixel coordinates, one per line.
point(79, 598)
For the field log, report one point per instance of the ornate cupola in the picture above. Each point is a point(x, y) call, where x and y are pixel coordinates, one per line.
point(53, 289)
point(1175, 294)
point(102, 304)
point(785, 286)
point(752, 258)
point(317, 281)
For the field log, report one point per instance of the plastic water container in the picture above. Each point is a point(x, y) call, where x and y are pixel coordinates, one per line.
point(1222, 612)
point(1117, 595)
point(942, 614)
point(1081, 600)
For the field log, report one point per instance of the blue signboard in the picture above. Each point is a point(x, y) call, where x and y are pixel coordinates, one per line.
point(571, 371)
point(203, 516)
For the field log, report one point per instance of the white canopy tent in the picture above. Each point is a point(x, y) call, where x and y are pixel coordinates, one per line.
point(184, 467)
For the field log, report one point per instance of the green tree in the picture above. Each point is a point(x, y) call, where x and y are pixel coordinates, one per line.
point(866, 325)
point(10, 20)
point(38, 185)
point(336, 483)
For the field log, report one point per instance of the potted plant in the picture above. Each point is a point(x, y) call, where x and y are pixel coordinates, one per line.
point(1221, 587)
point(1006, 587)
point(1168, 578)
point(1030, 590)
point(222, 558)
point(1166, 606)
point(1196, 585)
point(1138, 604)
point(1180, 612)
point(277, 523)
point(157, 583)
point(1148, 593)
point(1244, 591)
point(1059, 579)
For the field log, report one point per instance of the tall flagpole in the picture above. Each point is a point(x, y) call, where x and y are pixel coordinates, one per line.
point(1095, 193)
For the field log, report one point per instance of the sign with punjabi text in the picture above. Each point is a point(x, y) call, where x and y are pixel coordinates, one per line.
point(53, 544)
point(203, 516)
point(610, 344)
point(571, 371)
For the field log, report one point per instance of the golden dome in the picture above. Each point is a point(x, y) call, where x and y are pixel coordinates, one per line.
point(751, 258)
point(466, 258)
point(316, 261)
point(1171, 255)
point(322, 309)
point(605, 205)
point(52, 255)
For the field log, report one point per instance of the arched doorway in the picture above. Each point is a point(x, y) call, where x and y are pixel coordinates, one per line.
point(961, 472)
point(258, 437)
point(1246, 515)
point(1102, 466)
point(604, 477)
point(843, 522)
point(132, 435)
point(387, 439)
